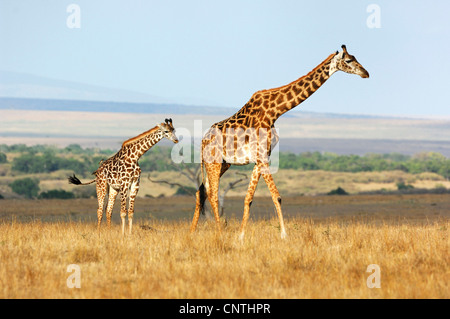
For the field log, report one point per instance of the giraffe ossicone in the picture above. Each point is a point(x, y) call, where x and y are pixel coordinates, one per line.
point(238, 140)
point(121, 173)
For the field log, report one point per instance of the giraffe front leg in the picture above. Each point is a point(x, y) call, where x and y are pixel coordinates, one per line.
point(276, 198)
point(249, 198)
point(133, 193)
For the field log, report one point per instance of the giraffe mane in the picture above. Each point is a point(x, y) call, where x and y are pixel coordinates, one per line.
point(289, 84)
point(133, 139)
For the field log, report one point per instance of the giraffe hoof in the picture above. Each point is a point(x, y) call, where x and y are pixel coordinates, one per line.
point(241, 237)
point(283, 235)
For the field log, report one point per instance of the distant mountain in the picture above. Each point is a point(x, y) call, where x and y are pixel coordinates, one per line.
point(13, 103)
point(30, 92)
point(114, 107)
point(22, 91)
point(22, 85)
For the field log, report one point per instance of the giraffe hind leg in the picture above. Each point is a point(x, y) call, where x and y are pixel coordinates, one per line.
point(256, 174)
point(276, 198)
point(212, 189)
point(111, 199)
point(101, 194)
point(201, 196)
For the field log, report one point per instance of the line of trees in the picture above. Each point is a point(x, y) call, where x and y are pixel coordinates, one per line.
point(419, 163)
point(44, 159)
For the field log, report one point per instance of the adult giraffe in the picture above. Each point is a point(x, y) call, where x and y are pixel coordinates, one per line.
point(249, 135)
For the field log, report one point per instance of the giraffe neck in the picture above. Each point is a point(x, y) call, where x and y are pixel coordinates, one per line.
point(275, 102)
point(139, 145)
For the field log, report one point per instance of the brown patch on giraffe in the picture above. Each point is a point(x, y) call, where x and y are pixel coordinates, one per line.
point(257, 102)
point(315, 85)
point(289, 95)
point(280, 99)
point(280, 107)
point(271, 113)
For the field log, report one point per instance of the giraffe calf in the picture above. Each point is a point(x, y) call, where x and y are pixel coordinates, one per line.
point(121, 173)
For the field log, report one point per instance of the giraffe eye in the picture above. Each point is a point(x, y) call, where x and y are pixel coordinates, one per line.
point(348, 61)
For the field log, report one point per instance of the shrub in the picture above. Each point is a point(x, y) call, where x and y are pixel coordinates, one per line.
point(3, 158)
point(338, 191)
point(187, 190)
point(27, 187)
point(403, 186)
point(56, 193)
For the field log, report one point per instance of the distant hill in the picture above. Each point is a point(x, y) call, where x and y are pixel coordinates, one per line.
point(102, 106)
point(37, 104)
point(23, 85)
point(106, 124)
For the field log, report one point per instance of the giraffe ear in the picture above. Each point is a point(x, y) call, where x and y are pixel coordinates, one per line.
point(344, 48)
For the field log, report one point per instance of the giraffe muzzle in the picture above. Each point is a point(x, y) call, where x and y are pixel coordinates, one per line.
point(364, 74)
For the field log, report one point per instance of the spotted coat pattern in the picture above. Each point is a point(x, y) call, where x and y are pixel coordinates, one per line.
point(121, 173)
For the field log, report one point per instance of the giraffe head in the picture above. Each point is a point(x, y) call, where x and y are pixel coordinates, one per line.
point(168, 130)
point(343, 61)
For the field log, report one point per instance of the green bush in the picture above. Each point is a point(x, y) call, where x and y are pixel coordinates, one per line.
point(338, 191)
point(187, 190)
point(46, 163)
point(3, 158)
point(404, 186)
point(56, 193)
point(27, 187)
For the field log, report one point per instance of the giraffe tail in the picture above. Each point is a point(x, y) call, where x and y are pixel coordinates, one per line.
point(201, 189)
point(203, 196)
point(74, 180)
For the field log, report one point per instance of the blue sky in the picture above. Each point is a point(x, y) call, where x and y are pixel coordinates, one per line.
point(219, 53)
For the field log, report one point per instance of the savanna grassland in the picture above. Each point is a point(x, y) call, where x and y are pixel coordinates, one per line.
point(331, 242)
point(397, 219)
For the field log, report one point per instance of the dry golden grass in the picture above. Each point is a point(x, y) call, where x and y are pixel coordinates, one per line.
point(320, 259)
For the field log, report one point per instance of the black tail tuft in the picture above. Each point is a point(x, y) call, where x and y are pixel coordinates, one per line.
point(203, 197)
point(74, 180)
